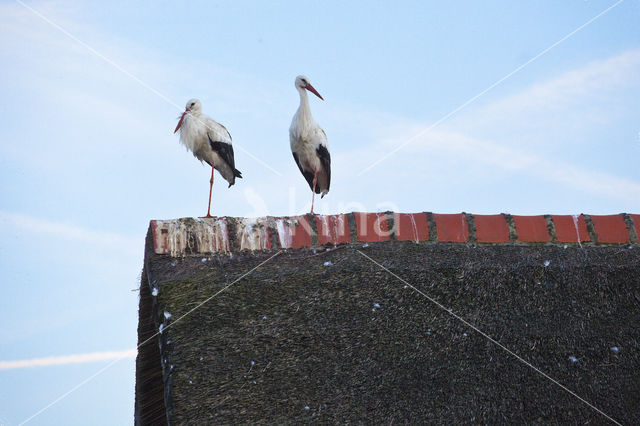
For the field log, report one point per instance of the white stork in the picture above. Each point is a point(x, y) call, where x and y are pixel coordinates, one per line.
point(209, 141)
point(309, 143)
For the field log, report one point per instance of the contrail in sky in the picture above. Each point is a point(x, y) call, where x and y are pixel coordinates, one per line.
point(68, 359)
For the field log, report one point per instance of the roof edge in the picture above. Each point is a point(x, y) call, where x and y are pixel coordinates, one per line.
point(179, 237)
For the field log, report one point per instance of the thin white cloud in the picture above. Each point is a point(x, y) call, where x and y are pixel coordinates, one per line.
point(573, 86)
point(579, 97)
point(509, 134)
point(474, 150)
point(73, 233)
point(68, 359)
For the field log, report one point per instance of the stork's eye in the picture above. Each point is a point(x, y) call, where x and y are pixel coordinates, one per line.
point(192, 104)
point(304, 81)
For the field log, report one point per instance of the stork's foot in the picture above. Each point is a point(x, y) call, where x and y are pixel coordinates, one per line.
point(206, 217)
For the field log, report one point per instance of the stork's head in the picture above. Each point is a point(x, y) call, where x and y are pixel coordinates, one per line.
point(193, 106)
point(302, 83)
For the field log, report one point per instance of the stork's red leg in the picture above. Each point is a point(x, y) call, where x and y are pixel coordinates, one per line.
point(210, 191)
point(313, 191)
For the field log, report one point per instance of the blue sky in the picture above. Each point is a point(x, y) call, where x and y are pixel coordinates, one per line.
point(88, 157)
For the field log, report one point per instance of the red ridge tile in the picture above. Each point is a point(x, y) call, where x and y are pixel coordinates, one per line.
point(293, 232)
point(333, 229)
point(610, 228)
point(411, 226)
point(531, 229)
point(371, 227)
point(452, 227)
point(569, 228)
point(253, 234)
point(491, 228)
point(159, 239)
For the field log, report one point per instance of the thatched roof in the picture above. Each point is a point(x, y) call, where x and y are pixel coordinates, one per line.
point(323, 334)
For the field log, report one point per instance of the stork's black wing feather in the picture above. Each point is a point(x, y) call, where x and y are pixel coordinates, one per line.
point(325, 160)
point(307, 175)
point(225, 151)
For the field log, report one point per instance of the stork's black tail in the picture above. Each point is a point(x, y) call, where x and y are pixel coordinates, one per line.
point(236, 173)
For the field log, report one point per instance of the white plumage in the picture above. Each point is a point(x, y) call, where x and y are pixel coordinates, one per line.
point(209, 141)
point(309, 144)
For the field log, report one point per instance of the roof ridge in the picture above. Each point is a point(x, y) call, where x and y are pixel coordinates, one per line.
point(179, 237)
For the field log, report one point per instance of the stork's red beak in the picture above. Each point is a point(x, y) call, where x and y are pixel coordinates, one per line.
point(313, 90)
point(181, 118)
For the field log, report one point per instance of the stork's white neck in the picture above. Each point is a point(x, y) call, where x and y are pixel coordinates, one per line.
point(304, 109)
point(303, 119)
